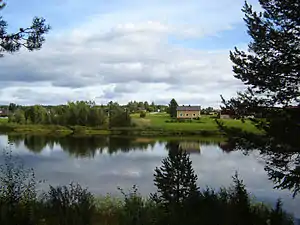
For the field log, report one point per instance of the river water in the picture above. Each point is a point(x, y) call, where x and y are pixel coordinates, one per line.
point(103, 164)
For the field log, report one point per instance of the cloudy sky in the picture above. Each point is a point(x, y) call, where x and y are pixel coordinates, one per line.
point(122, 50)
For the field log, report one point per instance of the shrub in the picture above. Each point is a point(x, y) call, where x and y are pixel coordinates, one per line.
point(18, 195)
point(108, 209)
point(139, 211)
point(79, 129)
point(142, 114)
point(69, 205)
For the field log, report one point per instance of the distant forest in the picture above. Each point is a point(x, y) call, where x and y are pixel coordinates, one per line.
point(82, 113)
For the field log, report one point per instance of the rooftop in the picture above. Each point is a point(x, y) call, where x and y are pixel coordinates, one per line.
point(188, 108)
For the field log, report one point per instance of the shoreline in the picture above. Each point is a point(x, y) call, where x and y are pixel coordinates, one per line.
point(149, 131)
point(126, 131)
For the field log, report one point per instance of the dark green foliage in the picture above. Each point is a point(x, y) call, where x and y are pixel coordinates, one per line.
point(74, 113)
point(12, 107)
point(68, 205)
point(175, 179)
point(271, 71)
point(118, 117)
point(19, 203)
point(73, 205)
point(135, 107)
point(17, 117)
point(272, 65)
point(137, 210)
point(18, 198)
point(233, 206)
point(278, 216)
point(37, 114)
point(173, 108)
point(143, 114)
point(207, 111)
point(31, 38)
point(96, 117)
point(183, 203)
point(281, 155)
point(176, 184)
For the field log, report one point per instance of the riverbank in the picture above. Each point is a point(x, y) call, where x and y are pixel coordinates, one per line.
point(126, 131)
point(154, 125)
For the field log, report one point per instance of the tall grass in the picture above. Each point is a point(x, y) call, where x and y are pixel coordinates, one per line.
point(21, 203)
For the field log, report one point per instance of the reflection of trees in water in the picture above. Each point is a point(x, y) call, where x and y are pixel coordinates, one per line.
point(282, 156)
point(188, 146)
point(227, 146)
point(172, 145)
point(284, 170)
point(35, 143)
point(82, 146)
point(15, 139)
point(117, 144)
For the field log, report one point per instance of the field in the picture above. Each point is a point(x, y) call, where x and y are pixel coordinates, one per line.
point(206, 123)
point(154, 124)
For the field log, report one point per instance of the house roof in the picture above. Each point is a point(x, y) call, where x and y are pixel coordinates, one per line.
point(188, 108)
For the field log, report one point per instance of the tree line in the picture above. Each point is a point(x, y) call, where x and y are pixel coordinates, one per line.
point(132, 106)
point(82, 113)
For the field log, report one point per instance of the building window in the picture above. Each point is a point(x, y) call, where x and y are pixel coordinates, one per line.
point(180, 114)
point(194, 114)
point(187, 114)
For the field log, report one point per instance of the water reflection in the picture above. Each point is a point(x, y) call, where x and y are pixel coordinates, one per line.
point(282, 167)
point(192, 147)
point(282, 157)
point(82, 146)
point(103, 163)
point(284, 170)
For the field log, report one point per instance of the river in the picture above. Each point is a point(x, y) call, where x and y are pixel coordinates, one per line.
point(105, 163)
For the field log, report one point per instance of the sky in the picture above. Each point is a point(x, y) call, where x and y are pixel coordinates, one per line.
point(122, 51)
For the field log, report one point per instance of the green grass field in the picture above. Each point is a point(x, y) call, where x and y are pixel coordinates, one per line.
point(3, 120)
point(206, 123)
point(158, 124)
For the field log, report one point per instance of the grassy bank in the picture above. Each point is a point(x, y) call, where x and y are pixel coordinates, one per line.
point(205, 123)
point(153, 125)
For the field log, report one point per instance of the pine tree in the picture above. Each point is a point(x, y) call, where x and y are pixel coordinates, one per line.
point(175, 179)
point(271, 70)
point(173, 108)
point(176, 186)
point(271, 67)
point(31, 38)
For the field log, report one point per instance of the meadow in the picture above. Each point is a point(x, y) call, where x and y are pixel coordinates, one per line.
point(205, 123)
point(154, 124)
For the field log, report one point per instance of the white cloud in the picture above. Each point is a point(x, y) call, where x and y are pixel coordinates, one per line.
point(127, 55)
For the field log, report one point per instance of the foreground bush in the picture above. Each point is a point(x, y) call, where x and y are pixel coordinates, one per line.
point(68, 205)
point(18, 195)
point(177, 201)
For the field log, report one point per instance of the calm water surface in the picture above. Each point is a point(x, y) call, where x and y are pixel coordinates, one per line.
point(102, 164)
